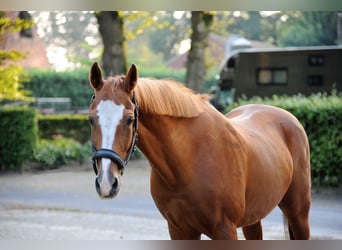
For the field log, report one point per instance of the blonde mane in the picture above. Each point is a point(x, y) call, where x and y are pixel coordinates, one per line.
point(167, 97)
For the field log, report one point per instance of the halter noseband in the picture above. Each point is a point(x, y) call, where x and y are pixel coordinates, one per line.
point(112, 155)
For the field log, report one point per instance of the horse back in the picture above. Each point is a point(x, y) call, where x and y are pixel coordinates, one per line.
point(271, 123)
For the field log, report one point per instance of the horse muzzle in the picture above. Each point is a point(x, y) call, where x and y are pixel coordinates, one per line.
point(107, 185)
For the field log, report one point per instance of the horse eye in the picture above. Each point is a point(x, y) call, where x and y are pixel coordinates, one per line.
point(92, 98)
point(129, 121)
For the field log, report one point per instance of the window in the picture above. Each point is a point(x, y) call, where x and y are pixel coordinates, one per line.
point(315, 80)
point(272, 76)
point(316, 60)
point(231, 63)
point(265, 76)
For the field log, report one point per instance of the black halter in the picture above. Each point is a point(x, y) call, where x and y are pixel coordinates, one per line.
point(112, 155)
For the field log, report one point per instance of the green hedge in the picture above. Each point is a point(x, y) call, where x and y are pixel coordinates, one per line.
point(49, 83)
point(18, 130)
point(69, 126)
point(321, 116)
point(60, 151)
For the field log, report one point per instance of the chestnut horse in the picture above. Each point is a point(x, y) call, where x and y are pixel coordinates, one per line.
point(210, 173)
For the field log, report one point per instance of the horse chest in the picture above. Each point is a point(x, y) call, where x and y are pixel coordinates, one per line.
point(180, 211)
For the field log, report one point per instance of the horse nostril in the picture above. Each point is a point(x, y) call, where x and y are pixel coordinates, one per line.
point(115, 186)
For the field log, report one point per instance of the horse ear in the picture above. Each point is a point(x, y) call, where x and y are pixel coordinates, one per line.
point(131, 78)
point(95, 77)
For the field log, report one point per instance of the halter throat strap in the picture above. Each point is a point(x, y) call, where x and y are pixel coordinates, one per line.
point(112, 155)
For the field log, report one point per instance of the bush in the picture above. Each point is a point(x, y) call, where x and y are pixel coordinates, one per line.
point(70, 126)
point(73, 84)
point(18, 129)
point(162, 73)
point(60, 151)
point(321, 116)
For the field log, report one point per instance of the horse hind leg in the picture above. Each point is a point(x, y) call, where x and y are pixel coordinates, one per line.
point(297, 199)
point(287, 229)
point(295, 206)
point(298, 224)
point(253, 232)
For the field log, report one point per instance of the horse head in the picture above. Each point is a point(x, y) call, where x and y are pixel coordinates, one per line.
point(113, 117)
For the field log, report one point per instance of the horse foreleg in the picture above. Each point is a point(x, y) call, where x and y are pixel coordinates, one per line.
point(226, 230)
point(253, 232)
point(180, 234)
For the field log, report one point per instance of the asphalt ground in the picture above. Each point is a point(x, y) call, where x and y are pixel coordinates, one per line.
point(62, 204)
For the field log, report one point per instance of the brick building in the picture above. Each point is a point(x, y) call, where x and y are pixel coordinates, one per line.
point(28, 42)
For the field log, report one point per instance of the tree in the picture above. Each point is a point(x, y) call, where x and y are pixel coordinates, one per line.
point(166, 37)
point(113, 37)
point(11, 74)
point(245, 23)
point(253, 25)
point(196, 68)
point(70, 37)
point(269, 26)
point(308, 29)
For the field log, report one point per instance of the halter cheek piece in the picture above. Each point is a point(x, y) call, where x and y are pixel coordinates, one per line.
point(112, 155)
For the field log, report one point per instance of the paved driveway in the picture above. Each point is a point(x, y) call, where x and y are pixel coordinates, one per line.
point(63, 204)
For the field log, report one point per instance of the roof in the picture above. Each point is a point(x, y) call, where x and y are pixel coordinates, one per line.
point(287, 49)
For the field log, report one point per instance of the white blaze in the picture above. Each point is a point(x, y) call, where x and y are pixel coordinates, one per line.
point(110, 115)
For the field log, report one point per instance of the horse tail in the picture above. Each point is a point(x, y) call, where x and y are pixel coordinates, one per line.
point(286, 227)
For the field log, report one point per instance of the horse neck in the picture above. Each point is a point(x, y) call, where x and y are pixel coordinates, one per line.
point(171, 144)
point(157, 144)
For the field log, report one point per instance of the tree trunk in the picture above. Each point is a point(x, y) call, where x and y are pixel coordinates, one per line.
point(196, 67)
point(113, 38)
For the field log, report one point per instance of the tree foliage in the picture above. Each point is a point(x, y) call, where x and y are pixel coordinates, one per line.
point(166, 37)
point(282, 28)
point(11, 77)
point(308, 29)
point(73, 34)
point(11, 74)
point(153, 37)
point(253, 25)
